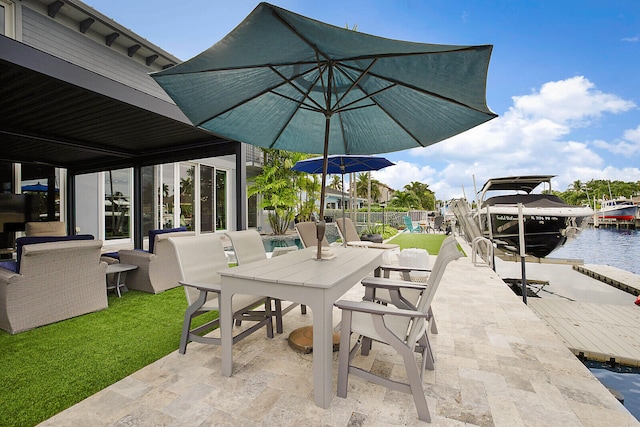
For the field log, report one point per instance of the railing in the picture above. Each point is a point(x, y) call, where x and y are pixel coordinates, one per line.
point(393, 218)
point(254, 156)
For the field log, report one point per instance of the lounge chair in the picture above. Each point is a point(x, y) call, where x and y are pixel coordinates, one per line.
point(248, 247)
point(402, 325)
point(157, 268)
point(199, 259)
point(437, 223)
point(52, 281)
point(409, 225)
point(348, 233)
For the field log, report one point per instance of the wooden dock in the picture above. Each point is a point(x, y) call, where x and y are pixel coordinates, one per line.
point(616, 277)
point(601, 332)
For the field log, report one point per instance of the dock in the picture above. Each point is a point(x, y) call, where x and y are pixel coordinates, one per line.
point(616, 277)
point(601, 332)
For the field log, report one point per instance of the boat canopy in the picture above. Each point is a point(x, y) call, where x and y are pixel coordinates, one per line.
point(517, 183)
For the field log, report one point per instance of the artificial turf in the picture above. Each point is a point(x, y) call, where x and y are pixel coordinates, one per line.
point(50, 368)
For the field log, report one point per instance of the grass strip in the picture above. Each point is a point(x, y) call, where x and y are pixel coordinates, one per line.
point(430, 242)
point(53, 367)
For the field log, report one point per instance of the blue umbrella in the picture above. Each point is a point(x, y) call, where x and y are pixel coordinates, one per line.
point(40, 188)
point(284, 81)
point(341, 164)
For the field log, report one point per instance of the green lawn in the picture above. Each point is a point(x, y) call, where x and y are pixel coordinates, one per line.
point(430, 242)
point(50, 368)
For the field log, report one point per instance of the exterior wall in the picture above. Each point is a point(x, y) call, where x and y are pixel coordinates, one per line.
point(46, 34)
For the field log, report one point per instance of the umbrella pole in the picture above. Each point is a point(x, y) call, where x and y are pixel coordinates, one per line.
point(343, 222)
point(325, 166)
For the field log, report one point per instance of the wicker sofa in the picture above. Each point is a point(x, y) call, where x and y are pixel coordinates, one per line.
point(55, 281)
point(158, 269)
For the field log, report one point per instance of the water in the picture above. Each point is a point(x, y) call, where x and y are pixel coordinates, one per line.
point(618, 248)
point(615, 247)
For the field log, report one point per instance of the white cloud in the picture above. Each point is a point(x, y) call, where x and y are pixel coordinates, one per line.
point(631, 39)
point(532, 137)
point(403, 173)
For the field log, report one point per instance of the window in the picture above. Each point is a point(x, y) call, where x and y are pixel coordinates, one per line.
point(221, 200)
point(7, 18)
point(117, 204)
point(207, 198)
point(187, 194)
point(213, 199)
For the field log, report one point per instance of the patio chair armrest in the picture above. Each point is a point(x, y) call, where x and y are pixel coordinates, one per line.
point(132, 256)
point(8, 276)
point(391, 284)
point(403, 268)
point(373, 308)
point(209, 287)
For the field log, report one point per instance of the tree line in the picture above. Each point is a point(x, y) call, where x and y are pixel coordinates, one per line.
point(594, 191)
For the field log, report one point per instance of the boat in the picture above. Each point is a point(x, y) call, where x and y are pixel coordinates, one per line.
point(620, 209)
point(549, 222)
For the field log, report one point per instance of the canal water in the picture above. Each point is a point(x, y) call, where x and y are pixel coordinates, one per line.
point(616, 247)
point(621, 249)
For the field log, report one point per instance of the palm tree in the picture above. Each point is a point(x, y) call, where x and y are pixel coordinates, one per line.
point(336, 182)
point(405, 199)
point(426, 196)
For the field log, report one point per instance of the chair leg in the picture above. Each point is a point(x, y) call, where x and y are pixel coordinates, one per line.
point(432, 322)
point(303, 309)
point(269, 314)
point(188, 316)
point(415, 379)
point(343, 354)
point(278, 314)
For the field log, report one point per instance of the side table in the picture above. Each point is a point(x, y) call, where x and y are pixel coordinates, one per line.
point(121, 271)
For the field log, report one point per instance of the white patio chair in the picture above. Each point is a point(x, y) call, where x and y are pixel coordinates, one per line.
point(399, 326)
point(248, 247)
point(199, 259)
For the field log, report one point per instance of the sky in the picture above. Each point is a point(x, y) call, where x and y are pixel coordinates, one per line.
point(564, 78)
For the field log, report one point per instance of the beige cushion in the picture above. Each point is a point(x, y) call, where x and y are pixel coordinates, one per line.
point(46, 228)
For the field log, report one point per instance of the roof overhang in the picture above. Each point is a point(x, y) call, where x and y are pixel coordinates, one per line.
point(54, 112)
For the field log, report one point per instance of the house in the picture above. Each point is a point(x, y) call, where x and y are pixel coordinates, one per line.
point(114, 156)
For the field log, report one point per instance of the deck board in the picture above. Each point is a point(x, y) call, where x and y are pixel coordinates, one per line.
point(599, 331)
point(616, 277)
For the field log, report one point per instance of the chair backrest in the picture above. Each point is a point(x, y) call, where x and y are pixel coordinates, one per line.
point(308, 234)
point(437, 222)
point(347, 230)
point(153, 234)
point(200, 258)
point(247, 244)
point(408, 223)
point(448, 252)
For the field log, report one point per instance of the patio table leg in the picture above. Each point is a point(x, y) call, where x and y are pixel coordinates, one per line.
point(226, 332)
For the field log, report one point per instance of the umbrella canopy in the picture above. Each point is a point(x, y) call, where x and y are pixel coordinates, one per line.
point(341, 164)
point(281, 80)
point(39, 188)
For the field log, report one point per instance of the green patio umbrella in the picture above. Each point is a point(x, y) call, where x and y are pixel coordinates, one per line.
point(281, 80)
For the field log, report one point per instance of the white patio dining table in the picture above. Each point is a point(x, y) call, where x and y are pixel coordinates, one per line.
point(300, 278)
